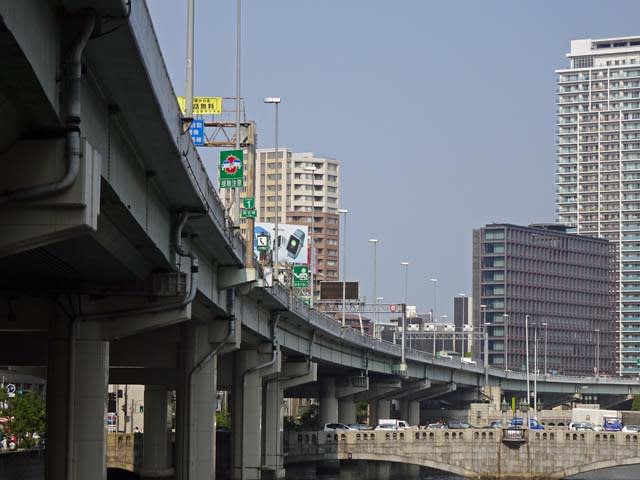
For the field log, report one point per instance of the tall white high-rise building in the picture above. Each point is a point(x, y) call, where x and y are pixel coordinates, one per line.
point(308, 193)
point(598, 166)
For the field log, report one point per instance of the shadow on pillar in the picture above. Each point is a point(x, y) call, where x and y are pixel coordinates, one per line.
point(223, 453)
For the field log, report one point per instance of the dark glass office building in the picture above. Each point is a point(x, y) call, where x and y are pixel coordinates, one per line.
point(564, 284)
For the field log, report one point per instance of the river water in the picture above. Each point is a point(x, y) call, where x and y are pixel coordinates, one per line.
point(360, 470)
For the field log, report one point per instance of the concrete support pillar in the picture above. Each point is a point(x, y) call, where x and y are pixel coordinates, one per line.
point(274, 429)
point(90, 433)
point(246, 414)
point(383, 408)
point(346, 410)
point(195, 415)
point(328, 401)
point(414, 413)
point(156, 462)
point(373, 413)
point(58, 407)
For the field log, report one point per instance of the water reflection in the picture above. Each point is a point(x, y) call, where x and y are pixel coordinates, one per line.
point(360, 470)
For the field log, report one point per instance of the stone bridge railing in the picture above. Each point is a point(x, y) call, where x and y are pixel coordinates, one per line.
point(474, 453)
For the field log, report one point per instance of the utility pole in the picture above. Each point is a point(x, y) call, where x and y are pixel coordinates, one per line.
point(238, 69)
point(526, 341)
point(189, 86)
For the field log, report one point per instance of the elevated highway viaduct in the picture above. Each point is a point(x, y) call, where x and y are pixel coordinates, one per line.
point(119, 265)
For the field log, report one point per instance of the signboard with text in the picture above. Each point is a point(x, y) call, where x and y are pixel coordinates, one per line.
point(203, 105)
point(197, 132)
point(231, 169)
point(300, 274)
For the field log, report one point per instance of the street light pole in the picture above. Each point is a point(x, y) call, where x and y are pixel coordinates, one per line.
point(505, 317)
point(274, 252)
point(535, 368)
point(238, 71)
point(526, 341)
point(188, 110)
point(344, 261)
point(545, 325)
point(404, 311)
point(374, 242)
point(486, 354)
point(597, 352)
point(481, 322)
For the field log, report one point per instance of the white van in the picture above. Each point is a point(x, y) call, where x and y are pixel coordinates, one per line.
point(391, 424)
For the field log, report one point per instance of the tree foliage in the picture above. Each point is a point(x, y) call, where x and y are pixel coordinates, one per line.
point(28, 415)
point(635, 406)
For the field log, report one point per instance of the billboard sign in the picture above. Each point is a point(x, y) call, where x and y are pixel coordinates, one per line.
point(333, 290)
point(203, 105)
point(197, 132)
point(231, 169)
point(293, 241)
point(300, 276)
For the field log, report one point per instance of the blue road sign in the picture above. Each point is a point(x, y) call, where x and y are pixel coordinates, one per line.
point(197, 132)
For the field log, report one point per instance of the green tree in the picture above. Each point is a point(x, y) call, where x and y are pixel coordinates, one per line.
point(635, 406)
point(28, 412)
point(309, 418)
point(223, 419)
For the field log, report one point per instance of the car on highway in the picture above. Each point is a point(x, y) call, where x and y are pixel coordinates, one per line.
point(631, 428)
point(332, 427)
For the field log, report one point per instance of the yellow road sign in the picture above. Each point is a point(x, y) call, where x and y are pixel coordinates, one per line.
point(203, 105)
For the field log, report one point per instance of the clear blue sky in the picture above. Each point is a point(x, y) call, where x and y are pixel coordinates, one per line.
point(442, 113)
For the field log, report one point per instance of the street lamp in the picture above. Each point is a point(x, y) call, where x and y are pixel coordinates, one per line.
point(486, 353)
point(378, 301)
point(535, 367)
point(526, 336)
point(312, 237)
point(435, 287)
point(274, 253)
point(344, 259)
point(545, 325)
point(483, 318)
point(505, 319)
point(404, 312)
point(597, 352)
point(374, 242)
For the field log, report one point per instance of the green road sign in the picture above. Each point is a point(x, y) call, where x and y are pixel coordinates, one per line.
point(263, 242)
point(248, 213)
point(300, 276)
point(231, 171)
point(249, 203)
point(638, 362)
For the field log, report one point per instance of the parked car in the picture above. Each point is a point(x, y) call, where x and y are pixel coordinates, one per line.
point(332, 427)
point(494, 424)
point(612, 424)
point(359, 426)
point(436, 426)
point(578, 426)
point(391, 424)
point(631, 428)
point(533, 423)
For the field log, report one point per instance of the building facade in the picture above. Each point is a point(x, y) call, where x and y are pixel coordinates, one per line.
point(463, 322)
point(308, 194)
point(561, 282)
point(598, 166)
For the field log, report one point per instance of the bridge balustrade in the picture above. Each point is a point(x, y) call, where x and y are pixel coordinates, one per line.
point(474, 452)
